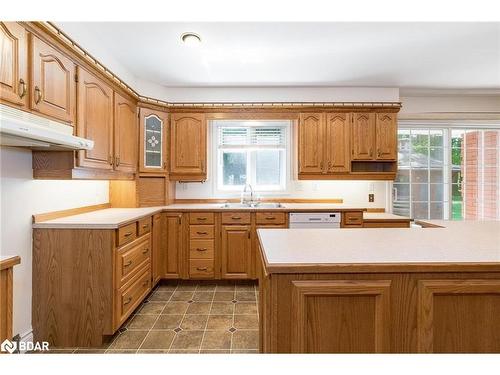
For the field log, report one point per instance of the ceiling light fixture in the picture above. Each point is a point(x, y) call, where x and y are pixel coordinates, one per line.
point(190, 38)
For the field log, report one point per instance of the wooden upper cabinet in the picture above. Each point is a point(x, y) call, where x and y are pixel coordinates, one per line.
point(337, 137)
point(125, 129)
point(188, 146)
point(236, 252)
point(386, 130)
point(53, 82)
point(363, 136)
point(95, 120)
point(153, 141)
point(311, 138)
point(13, 64)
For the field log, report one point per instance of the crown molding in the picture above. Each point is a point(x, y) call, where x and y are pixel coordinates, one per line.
point(411, 92)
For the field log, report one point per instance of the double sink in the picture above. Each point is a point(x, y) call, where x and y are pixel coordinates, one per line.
point(262, 205)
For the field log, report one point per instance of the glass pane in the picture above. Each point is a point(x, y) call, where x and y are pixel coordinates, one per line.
point(419, 192)
point(401, 192)
point(456, 192)
point(420, 138)
point(491, 156)
point(436, 175)
point(472, 139)
point(436, 211)
point(268, 167)
point(436, 157)
point(403, 157)
point(420, 210)
point(457, 138)
point(456, 211)
point(420, 175)
point(153, 139)
point(492, 138)
point(437, 192)
point(456, 176)
point(436, 138)
point(234, 168)
point(401, 208)
point(403, 175)
point(153, 159)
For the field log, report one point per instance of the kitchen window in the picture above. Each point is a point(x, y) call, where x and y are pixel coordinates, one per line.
point(252, 152)
point(448, 172)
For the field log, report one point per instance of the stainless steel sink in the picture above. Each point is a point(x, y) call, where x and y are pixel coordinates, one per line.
point(262, 205)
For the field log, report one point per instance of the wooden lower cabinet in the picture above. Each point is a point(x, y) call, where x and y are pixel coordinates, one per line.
point(236, 252)
point(6, 296)
point(157, 243)
point(407, 312)
point(174, 236)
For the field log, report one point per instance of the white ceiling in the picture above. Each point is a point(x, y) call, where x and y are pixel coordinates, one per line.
point(416, 55)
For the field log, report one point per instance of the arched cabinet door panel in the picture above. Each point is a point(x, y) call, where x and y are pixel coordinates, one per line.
point(337, 137)
point(386, 129)
point(311, 139)
point(363, 136)
point(13, 64)
point(125, 134)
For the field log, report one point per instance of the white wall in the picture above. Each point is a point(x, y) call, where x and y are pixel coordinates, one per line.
point(21, 197)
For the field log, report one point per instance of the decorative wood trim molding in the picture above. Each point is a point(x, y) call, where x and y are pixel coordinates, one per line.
point(427, 289)
point(303, 289)
point(69, 212)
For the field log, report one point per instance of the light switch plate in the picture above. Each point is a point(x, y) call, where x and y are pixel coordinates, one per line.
point(371, 198)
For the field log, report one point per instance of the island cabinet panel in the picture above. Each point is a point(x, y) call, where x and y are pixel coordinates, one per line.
point(337, 136)
point(188, 147)
point(175, 239)
point(311, 138)
point(95, 120)
point(341, 316)
point(363, 136)
point(236, 252)
point(125, 131)
point(386, 130)
point(458, 316)
point(13, 64)
point(53, 88)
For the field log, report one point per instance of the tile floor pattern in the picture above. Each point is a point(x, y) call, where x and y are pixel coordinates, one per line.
point(189, 317)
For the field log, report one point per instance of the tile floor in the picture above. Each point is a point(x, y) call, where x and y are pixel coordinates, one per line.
point(189, 317)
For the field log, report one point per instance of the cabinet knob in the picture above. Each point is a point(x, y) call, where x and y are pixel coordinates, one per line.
point(127, 264)
point(201, 268)
point(22, 88)
point(201, 249)
point(144, 226)
point(145, 250)
point(128, 234)
point(38, 95)
point(129, 299)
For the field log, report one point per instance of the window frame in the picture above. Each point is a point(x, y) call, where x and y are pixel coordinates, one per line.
point(447, 126)
point(220, 189)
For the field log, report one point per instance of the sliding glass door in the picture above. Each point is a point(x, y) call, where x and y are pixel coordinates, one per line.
point(447, 173)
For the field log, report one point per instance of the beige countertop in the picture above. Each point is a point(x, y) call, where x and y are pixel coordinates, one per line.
point(112, 218)
point(297, 250)
point(383, 216)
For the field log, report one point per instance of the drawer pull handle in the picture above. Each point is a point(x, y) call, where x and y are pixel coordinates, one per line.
point(201, 233)
point(235, 217)
point(129, 299)
point(145, 250)
point(270, 218)
point(22, 87)
point(38, 95)
point(145, 226)
point(201, 268)
point(201, 249)
point(201, 218)
point(128, 234)
point(127, 264)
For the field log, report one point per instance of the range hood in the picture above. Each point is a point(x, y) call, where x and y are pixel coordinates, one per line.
point(23, 129)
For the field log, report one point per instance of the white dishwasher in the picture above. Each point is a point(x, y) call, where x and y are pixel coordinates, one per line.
point(315, 219)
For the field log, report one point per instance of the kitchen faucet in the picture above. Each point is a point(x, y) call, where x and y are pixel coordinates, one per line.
point(244, 195)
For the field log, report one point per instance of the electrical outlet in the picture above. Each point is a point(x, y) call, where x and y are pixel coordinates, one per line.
point(371, 198)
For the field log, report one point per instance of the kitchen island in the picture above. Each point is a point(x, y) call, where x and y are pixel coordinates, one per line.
point(394, 290)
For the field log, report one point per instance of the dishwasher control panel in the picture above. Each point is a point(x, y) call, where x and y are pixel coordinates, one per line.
point(315, 219)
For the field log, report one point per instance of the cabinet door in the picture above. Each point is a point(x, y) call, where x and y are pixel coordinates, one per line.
point(53, 82)
point(125, 134)
point(95, 120)
point(236, 252)
point(153, 141)
point(363, 136)
point(386, 130)
point(188, 148)
point(157, 254)
point(337, 137)
point(311, 138)
point(13, 64)
point(173, 237)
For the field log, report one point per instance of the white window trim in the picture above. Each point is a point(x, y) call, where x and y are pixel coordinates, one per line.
point(214, 135)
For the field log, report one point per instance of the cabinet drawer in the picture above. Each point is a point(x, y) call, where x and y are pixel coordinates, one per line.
point(236, 218)
point(201, 231)
point(127, 234)
point(131, 257)
point(354, 218)
point(201, 249)
point(201, 218)
point(144, 226)
point(201, 268)
point(270, 217)
point(130, 296)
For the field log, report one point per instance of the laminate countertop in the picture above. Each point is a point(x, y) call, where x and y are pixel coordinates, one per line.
point(454, 244)
point(112, 218)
